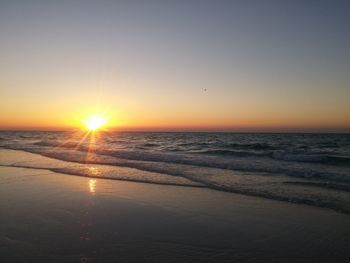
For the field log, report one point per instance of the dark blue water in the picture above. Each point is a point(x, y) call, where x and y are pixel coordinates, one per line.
point(303, 168)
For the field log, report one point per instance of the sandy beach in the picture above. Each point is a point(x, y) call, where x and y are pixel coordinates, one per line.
point(53, 217)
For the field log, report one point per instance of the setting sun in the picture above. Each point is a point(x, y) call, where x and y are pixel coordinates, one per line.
point(95, 122)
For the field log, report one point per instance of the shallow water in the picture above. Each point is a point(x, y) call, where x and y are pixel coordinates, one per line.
point(304, 168)
point(52, 217)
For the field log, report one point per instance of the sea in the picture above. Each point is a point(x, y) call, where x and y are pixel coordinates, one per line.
point(310, 169)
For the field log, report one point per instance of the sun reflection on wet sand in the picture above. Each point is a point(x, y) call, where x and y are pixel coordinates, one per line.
point(92, 186)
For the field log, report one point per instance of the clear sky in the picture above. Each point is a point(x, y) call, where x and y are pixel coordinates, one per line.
point(194, 65)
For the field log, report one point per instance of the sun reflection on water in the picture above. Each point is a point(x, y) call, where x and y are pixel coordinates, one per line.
point(93, 171)
point(92, 186)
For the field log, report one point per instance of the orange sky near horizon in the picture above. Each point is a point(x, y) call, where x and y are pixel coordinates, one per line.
point(138, 106)
point(65, 118)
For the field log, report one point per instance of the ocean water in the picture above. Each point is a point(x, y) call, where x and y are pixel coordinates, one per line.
point(312, 169)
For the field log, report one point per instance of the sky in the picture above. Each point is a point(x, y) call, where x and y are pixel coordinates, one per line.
point(176, 65)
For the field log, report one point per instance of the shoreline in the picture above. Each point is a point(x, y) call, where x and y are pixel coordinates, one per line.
point(58, 165)
point(48, 216)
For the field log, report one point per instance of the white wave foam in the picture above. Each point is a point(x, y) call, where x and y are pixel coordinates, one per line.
point(265, 185)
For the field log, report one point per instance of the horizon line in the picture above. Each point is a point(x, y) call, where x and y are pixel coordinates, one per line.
point(192, 130)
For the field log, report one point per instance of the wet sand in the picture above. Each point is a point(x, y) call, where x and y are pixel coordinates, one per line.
point(52, 217)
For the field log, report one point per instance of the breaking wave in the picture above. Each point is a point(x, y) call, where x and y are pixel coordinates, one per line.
point(312, 177)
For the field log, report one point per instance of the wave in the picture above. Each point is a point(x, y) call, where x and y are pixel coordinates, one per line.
point(330, 185)
point(232, 153)
point(284, 156)
point(247, 150)
point(254, 146)
point(176, 164)
point(285, 188)
point(126, 174)
point(150, 145)
point(193, 144)
point(312, 158)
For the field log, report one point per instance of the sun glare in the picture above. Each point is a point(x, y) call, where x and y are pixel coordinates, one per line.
point(95, 122)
